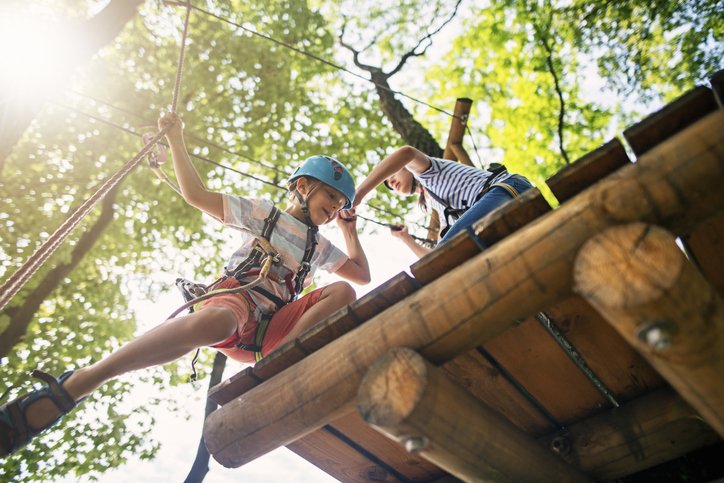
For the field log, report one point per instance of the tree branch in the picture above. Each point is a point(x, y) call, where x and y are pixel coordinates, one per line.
point(428, 37)
point(562, 113)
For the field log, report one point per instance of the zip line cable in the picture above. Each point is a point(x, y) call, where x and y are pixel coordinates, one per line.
point(16, 281)
point(312, 56)
point(190, 136)
point(134, 133)
point(425, 241)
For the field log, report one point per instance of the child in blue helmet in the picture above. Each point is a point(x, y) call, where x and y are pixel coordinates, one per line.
point(320, 189)
point(460, 194)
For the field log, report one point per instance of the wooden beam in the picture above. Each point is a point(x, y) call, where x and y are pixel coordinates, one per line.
point(717, 85)
point(454, 150)
point(588, 170)
point(678, 184)
point(671, 119)
point(638, 278)
point(644, 433)
point(411, 401)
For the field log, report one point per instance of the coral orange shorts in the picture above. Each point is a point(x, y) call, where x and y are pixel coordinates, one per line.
point(242, 306)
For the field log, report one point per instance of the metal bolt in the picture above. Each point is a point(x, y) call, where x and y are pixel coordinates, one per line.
point(560, 446)
point(657, 334)
point(415, 444)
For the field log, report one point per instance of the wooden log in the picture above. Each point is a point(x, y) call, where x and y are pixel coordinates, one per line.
point(641, 434)
point(705, 246)
point(454, 150)
point(588, 170)
point(717, 86)
point(279, 359)
point(324, 449)
point(461, 248)
point(510, 217)
point(671, 119)
point(676, 185)
point(235, 385)
point(486, 381)
point(352, 429)
point(411, 401)
point(640, 281)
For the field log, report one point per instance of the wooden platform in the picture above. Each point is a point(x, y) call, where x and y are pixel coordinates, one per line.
point(562, 374)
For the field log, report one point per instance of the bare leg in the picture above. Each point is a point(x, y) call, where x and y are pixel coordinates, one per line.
point(164, 343)
point(333, 298)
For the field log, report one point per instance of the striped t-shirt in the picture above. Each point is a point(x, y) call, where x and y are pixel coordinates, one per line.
point(289, 238)
point(456, 183)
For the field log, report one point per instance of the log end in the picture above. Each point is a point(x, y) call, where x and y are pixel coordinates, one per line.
point(627, 266)
point(392, 387)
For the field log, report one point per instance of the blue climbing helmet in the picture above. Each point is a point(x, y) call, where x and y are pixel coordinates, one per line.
point(329, 171)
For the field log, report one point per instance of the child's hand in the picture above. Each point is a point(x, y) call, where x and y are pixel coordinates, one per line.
point(171, 118)
point(347, 219)
point(399, 231)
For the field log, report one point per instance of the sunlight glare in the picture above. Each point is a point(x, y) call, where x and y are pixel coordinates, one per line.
point(34, 55)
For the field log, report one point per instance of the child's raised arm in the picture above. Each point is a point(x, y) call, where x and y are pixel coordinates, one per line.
point(191, 184)
point(405, 157)
point(356, 269)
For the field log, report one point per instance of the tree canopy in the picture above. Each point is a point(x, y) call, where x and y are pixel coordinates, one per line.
point(260, 108)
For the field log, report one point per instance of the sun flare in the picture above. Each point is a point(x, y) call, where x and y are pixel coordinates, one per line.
point(34, 54)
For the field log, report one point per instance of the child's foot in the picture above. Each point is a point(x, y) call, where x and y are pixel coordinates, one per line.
point(24, 418)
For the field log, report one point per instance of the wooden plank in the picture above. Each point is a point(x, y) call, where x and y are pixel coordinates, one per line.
point(680, 181)
point(673, 118)
point(531, 355)
point(328, 453)
point(408, 398)
point(717, 86)
point(705, 245)
point(453, 253)
point(411, 466)
point(619, 366)
point(281, 358)
point(234, 386)
point(384, 296)
point(587, 170)
point(478, 376)
point(638, 278)
point(510, 217)
point(645, 432)
point(334, 326)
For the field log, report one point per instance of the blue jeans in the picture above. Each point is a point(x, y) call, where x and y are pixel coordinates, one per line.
point(494, 198)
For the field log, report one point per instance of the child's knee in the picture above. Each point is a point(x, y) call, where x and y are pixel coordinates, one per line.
point(218, 323)
point(341, 292)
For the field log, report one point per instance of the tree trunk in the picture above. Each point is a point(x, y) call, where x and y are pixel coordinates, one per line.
point(17, 114)
point(21, 316)
point(201, 464)
point(411, 131)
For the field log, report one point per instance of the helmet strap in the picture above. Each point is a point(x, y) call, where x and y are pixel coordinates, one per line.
point(303, 205)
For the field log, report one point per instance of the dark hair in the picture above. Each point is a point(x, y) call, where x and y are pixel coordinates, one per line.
point(421, 195)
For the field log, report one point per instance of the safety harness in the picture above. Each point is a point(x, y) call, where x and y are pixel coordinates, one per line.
point(247, 272)
point(449, 212)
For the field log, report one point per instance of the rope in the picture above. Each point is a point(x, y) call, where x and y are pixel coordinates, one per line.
point(33, 263)
point(179, 69)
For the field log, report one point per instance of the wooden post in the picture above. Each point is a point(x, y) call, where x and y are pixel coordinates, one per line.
point(454, 150)
point(408, 399)
point(677, 184)
point(640, 281)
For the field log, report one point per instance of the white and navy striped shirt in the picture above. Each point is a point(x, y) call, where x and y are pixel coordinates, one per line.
point(456, 183)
